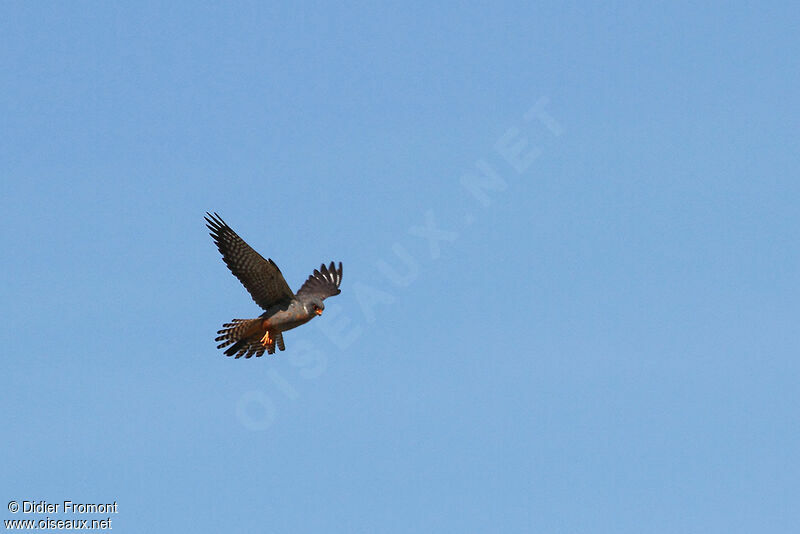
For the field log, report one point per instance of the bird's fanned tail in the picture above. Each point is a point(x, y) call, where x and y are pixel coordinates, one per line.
point(242, 337)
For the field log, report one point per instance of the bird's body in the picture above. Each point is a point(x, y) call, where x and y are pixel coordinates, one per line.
point(284, 310)
point(283, 319)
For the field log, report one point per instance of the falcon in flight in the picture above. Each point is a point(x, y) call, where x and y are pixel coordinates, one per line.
point(283, 310)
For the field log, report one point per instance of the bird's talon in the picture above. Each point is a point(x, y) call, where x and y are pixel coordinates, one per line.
point(267, 340)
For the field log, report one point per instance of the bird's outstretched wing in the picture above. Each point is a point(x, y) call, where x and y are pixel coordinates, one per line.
point(323, 283)
point(262, 278)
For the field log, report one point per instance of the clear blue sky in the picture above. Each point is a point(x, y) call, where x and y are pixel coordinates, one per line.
point(602, 337)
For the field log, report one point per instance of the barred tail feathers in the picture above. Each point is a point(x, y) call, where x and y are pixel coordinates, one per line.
point(241, 336)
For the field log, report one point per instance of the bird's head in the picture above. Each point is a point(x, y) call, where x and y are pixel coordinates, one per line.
point(316, 306)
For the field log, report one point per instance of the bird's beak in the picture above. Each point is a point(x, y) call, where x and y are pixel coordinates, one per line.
point(318, 311)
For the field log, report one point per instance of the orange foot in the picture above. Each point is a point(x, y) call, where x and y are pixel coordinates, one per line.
point(267, 340)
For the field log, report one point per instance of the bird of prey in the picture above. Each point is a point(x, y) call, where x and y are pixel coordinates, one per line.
point(283, 310)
